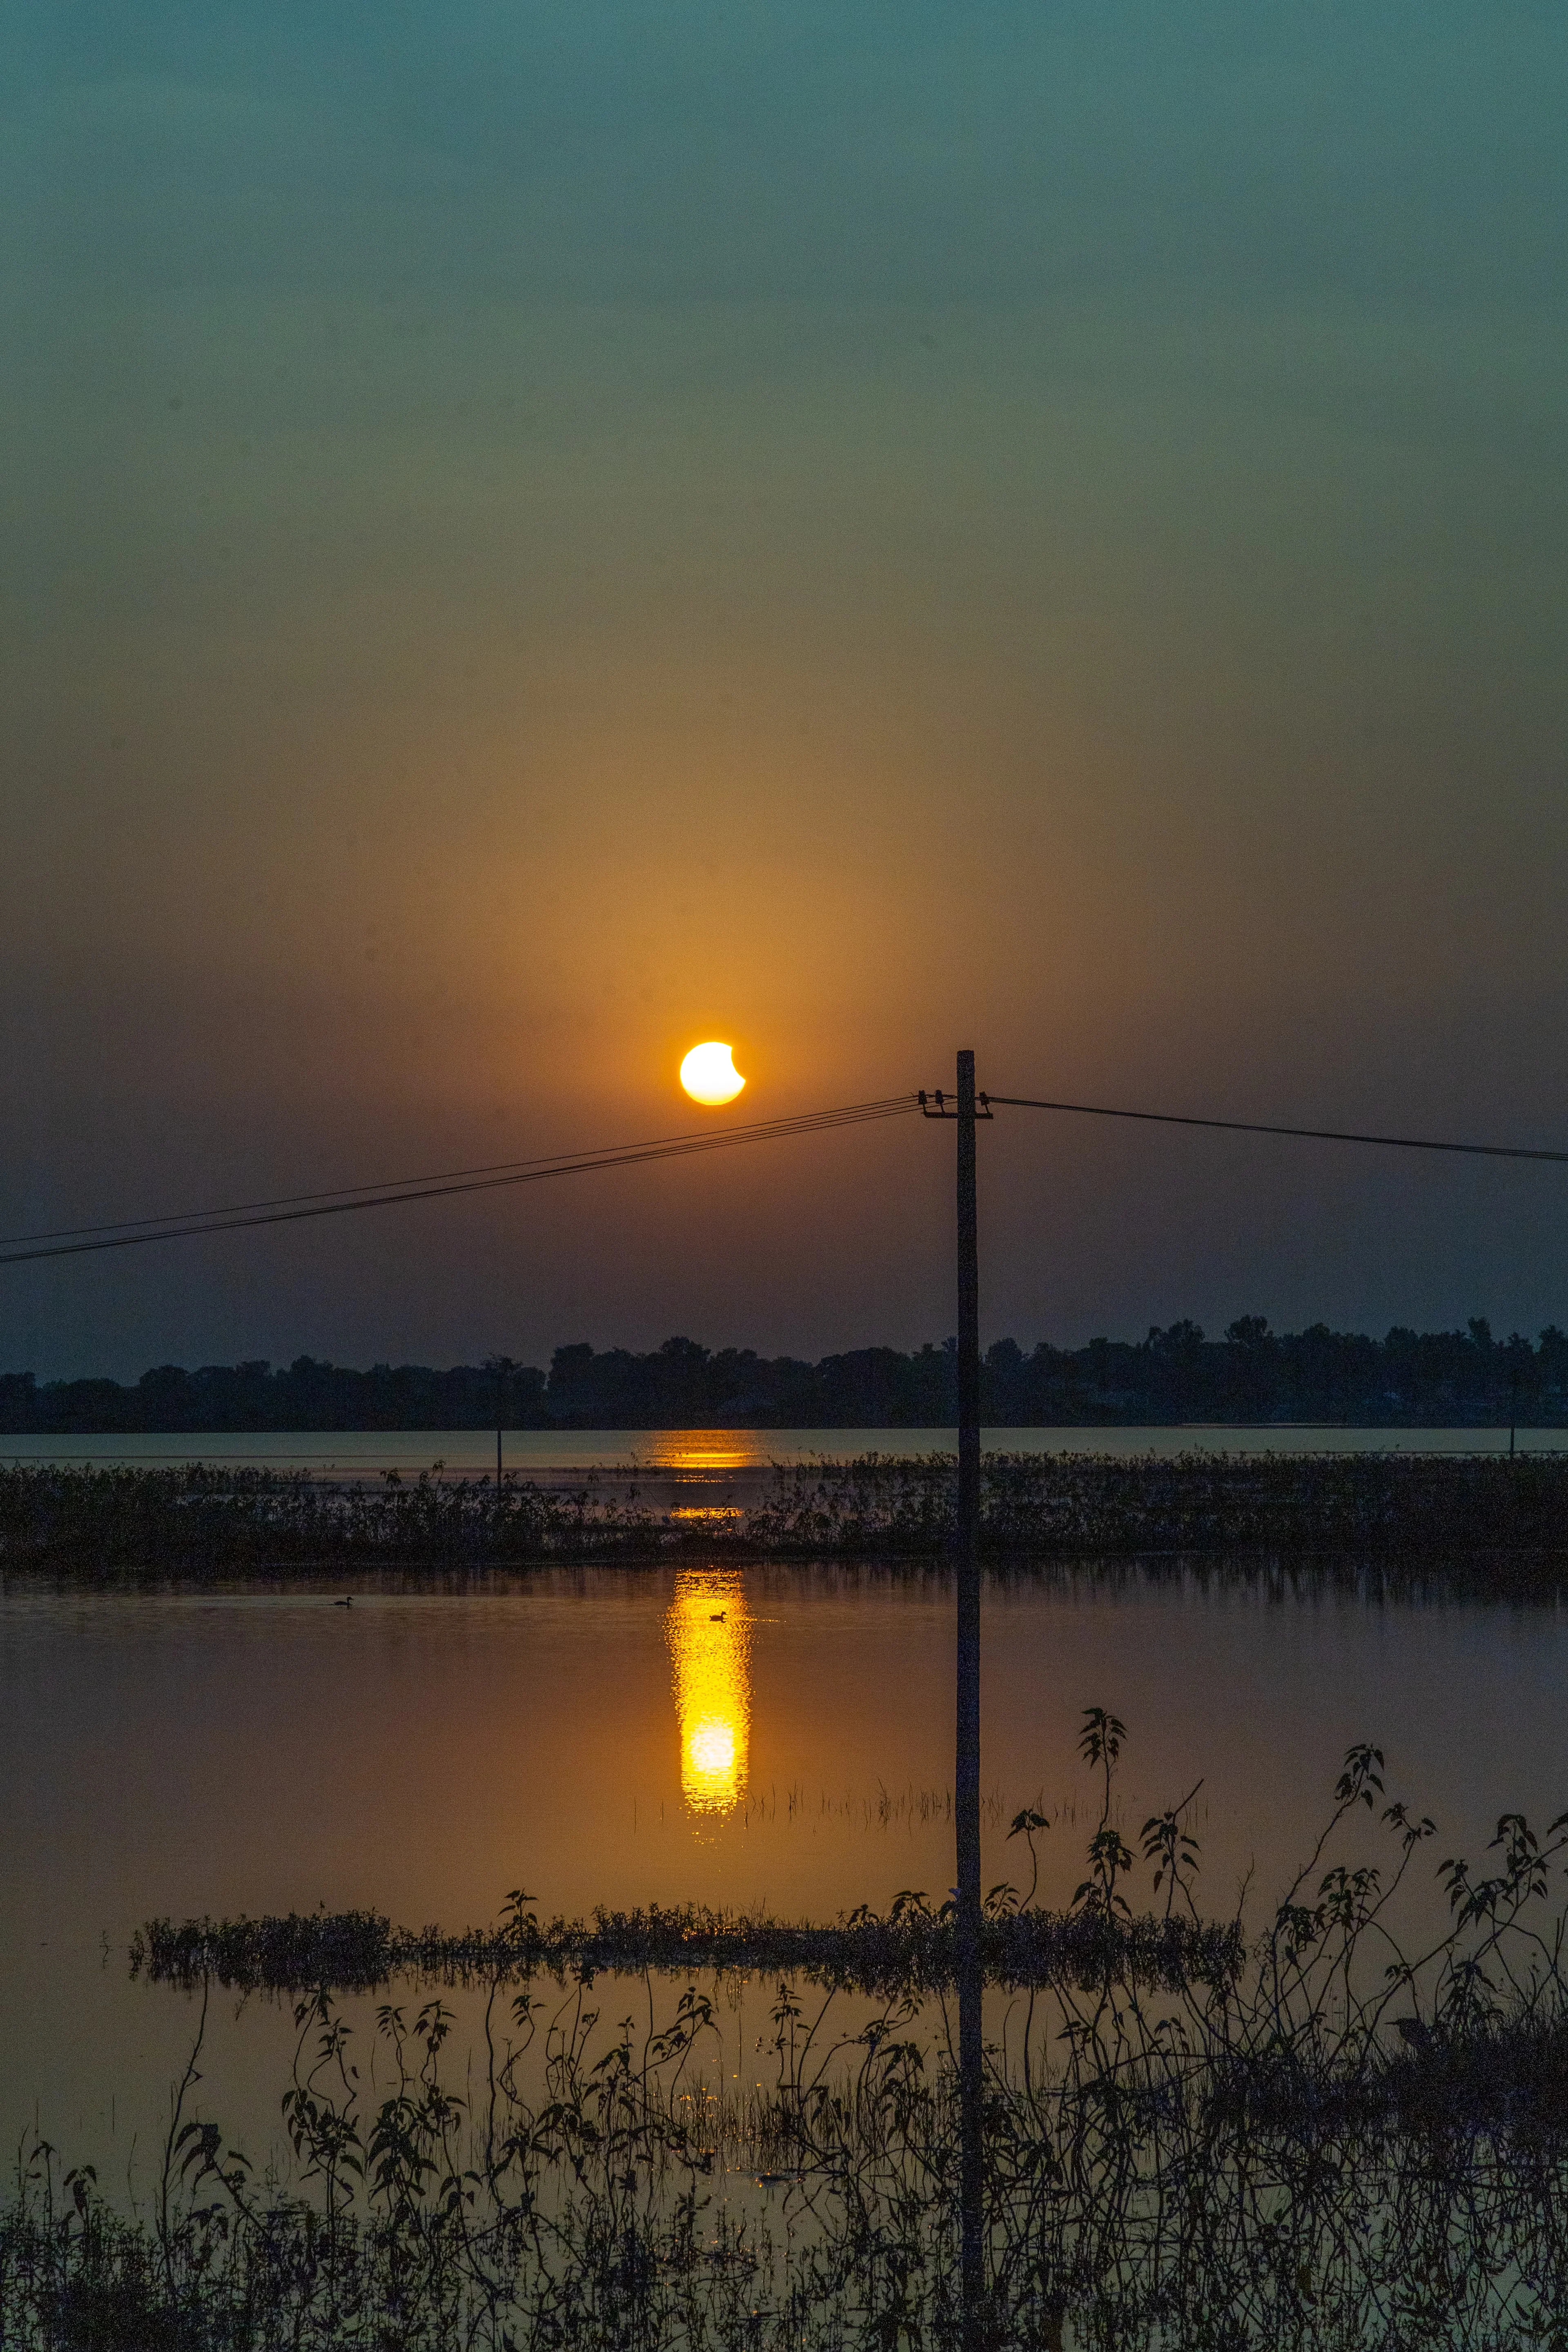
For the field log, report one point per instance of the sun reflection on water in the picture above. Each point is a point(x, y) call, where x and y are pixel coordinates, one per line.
point(708, 1632)
point(705, 1452)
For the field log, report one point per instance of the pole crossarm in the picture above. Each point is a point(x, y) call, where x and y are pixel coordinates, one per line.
point(939, 1104)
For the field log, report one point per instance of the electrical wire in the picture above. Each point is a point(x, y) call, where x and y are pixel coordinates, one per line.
point(1261, 1126)
point(21, 1249)
point(24, 1248)
point(337, 1192)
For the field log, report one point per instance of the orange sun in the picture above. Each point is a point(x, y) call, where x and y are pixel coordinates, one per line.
point(710, 1076)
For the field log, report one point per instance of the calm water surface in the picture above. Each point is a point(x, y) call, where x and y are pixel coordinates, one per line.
point(758, 1735)
point(548, 1453)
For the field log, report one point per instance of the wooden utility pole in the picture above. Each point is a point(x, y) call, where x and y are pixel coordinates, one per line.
point(966, 1768)
point(968, 1108)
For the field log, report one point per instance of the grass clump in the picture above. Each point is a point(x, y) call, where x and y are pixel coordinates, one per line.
point(910, 1948)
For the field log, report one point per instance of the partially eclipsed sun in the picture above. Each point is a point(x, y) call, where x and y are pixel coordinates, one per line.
point(710, 1076)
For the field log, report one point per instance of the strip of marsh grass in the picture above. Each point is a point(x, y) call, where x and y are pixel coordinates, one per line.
point(910, 1948)
point(1507, 1521)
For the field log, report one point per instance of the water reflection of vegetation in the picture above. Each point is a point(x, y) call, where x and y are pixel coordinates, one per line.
point(1333, 2141)
point(1498, 1525)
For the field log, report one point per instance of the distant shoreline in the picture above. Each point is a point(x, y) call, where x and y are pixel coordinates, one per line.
point(1175, 1377)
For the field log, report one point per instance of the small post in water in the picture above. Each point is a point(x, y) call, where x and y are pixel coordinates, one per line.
point(503, 1369)
point(966, 1781)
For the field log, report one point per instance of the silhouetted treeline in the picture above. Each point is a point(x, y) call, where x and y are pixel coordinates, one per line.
point(1253, 1374)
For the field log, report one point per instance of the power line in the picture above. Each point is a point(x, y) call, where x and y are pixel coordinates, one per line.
point(131, 1233)
point(1261, 1126)
point(341, 1194)
point(24, 1248)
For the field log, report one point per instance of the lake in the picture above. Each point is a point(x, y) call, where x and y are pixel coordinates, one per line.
point(556, 1456)
point(777, 1737)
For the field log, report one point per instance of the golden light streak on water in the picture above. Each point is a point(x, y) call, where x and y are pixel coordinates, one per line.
point(708, 1631)
point(698, 1451)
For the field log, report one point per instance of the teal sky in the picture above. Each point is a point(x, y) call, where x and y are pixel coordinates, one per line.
point(534, 536)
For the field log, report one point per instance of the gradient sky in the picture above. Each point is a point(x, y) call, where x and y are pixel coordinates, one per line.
point(532, 536)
